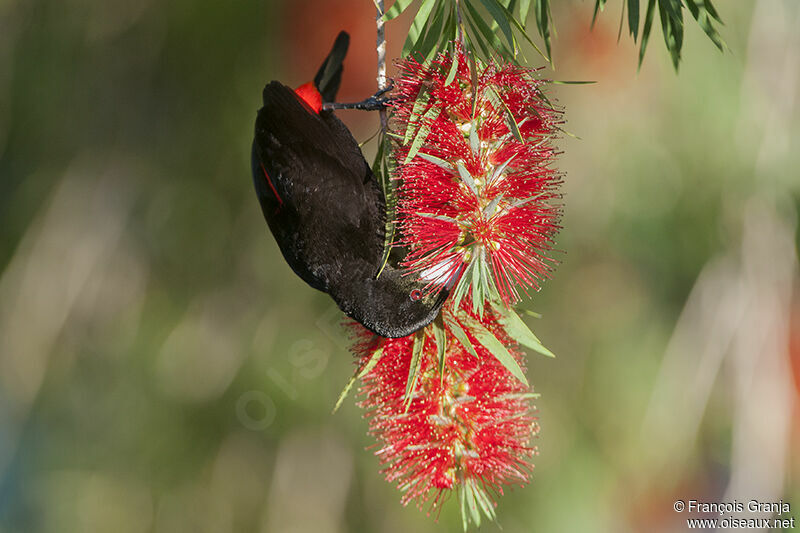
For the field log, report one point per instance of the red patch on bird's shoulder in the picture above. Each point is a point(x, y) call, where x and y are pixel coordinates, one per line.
point(309, 94)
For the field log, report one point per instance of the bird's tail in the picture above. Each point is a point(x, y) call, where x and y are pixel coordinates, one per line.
point(329, 75)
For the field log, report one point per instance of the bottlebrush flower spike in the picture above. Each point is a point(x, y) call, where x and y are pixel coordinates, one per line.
point(476, 186)
point(447, 416)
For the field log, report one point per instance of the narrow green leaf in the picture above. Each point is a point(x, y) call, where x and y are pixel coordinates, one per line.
point(451, 74)
point(359, 373)
point(466, 177)
point(484, 502)
point(450, 32)
point(373, 361)
point(671, 15)
point(633, 18)
point(474, 142)
point(711, 10)
point(397, 8)
point(527, 396)
point(473, 72)
point(543, 22)
point(462, 286)
point(499, 12)
point(599, 5)
point(498, 102)
point(420, 103)
point(422, 133)
point(571, 82)
point(496, 348)
point(433, 32)
point(491, 207)
point(464, 516)
point(380, 168)
point(520, 332)
point(344, 393)
point(415, 31)
point(471, 504)
point(648, 25)
point(498, 171)
point(524, 9)
point(441, 344)
point(460, 335)
point(527, 37)
point(441, 163)
point(413, 368)
point(437, 217)
point(477, 286)
point(703, 18)
point(484, 33)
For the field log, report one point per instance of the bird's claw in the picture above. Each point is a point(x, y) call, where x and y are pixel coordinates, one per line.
point(376, 102)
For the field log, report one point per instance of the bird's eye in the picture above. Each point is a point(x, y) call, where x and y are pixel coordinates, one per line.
point(416, 294)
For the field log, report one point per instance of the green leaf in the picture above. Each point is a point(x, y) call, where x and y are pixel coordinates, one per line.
point(524, 9)
point(466, 177)
point(381, 169)
point(543, 23)
point(473, 73)
point(500, 105)
point(527, 37)
point(471, 504)
point(671, 14)
point(441, 163)
point(464, 516)
point(421, 102)
point(413, 368)
point(599, 5)
point(520, 332)
point(463, 284)
point(571, 82)
point(633, 18)
point(397, 8)
point(498, 171)
point(648, 25)
point(474, 142)
point(422, 133)
point(484, 33)
point(703, 17)
point(417, 27)
point(434, 31)
point(451, 74)
point(711, 10)
point(359, 373)
point(496, 348)
point(500, 14)
point(491, 207)
point(441, 343)
point(477, 286)
point(484, 502)
point(460, 335)
point(437, 217)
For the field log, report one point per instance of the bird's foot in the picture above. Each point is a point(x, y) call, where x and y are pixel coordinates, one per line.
point(376, 102)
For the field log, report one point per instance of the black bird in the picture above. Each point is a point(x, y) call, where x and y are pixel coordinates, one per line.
point(326, 209)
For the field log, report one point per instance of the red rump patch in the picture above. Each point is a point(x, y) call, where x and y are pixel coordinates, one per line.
point(310, 95)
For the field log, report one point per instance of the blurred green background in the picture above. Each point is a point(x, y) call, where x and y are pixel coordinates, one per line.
point(163, 370)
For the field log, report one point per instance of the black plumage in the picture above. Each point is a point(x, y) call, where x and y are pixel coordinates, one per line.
point(327, 210)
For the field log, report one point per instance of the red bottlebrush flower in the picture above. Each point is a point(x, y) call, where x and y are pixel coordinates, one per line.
point(476, 186)
point(461, 423)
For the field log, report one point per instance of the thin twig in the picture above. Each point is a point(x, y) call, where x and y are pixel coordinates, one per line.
point(380, 45)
